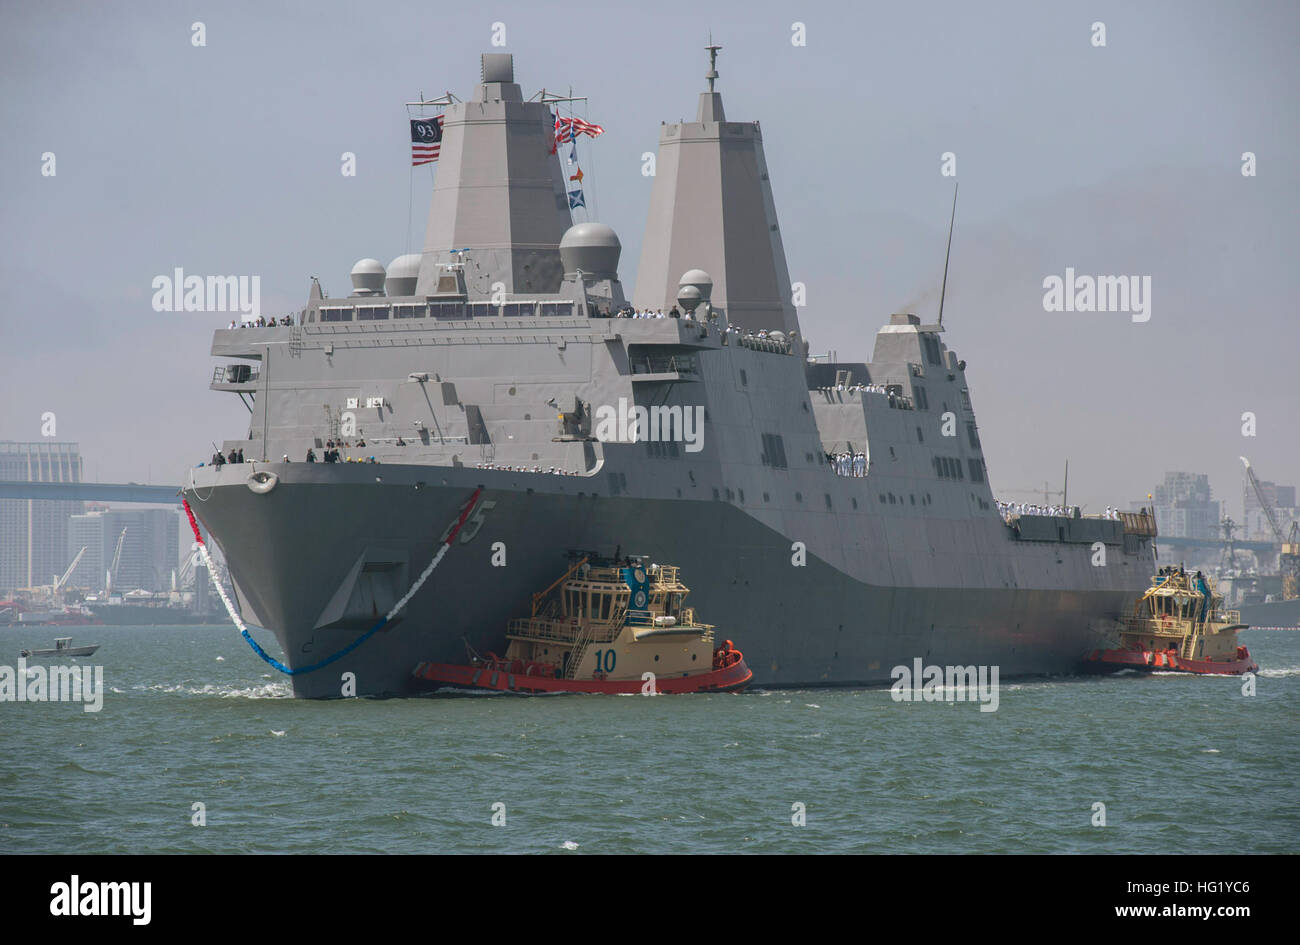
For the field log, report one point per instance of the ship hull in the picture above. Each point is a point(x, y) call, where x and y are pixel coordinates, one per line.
point(1154, 661)
point(324, 554)
point(129, 615)
point(1280, 615)
point(447, 676)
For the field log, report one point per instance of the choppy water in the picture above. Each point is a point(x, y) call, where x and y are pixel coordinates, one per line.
point(1182, 764)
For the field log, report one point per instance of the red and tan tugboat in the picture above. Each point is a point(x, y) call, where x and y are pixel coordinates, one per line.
point(1179, 626)
point(605, 626)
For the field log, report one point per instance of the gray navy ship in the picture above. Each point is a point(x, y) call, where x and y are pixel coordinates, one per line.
point(488, 367)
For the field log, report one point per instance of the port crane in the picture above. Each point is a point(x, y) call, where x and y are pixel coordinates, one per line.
point(117, 558)
point(60, 581)
point(1289, 555)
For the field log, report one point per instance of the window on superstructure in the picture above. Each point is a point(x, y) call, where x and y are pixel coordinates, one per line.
point(517, 309)
point(773, 451)
point(922, 402)
point(974, 437)
point(932, 353)
point(372, 314)
point(447, 310)
point(336, 314)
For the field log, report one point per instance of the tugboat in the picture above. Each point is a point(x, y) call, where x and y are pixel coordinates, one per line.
point(62, 647)
point(607, 625)
point(1179, 626)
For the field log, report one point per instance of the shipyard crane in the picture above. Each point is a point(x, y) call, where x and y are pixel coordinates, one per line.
point(1289, 554)
point(1046, 492)
point(117, 557)
point(60, 581)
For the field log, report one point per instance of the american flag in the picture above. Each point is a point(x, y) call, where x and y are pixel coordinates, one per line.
point(567, 129)
point(426, 140)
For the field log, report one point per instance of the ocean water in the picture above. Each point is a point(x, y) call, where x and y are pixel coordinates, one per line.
point(190, 716)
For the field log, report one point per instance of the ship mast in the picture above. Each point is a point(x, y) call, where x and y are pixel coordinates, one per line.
point(948, 255)
point(713, 48)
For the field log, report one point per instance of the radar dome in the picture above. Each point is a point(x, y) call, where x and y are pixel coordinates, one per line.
point(700, 280)
point(593, 248)
point(403, 272)
point(368, 277)
point(688, 297)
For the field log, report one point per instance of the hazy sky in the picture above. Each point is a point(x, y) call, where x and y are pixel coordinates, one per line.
point(1122, 160)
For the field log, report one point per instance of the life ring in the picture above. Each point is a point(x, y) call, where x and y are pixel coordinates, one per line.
point(262, 482)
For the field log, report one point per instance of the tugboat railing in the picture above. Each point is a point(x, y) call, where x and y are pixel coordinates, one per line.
point(1154, 627)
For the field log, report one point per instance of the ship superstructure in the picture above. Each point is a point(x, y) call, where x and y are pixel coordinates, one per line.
point(492, 361)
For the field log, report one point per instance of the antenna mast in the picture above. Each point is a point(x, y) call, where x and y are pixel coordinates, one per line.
point(944, 291)
point(712, 74)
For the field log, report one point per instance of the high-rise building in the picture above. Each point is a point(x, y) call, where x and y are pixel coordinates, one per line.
point(150, 548)
point(1185, 507)
point(34, 532)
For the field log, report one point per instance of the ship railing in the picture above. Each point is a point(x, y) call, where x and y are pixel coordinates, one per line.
point(584, 639)
point(558, 630)
point(1138, 523)
point(236, 374)
point(667, 575)
point(674, 364)
point(1154, 627)
point(640, 618)
point(770, 345)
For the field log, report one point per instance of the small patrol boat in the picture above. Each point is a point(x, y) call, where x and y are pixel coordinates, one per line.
point(62, 647)
point(1179, 625)
point(607, 625)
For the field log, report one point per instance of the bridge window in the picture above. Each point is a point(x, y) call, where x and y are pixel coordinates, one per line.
point(555, 309)
point(336, 314)
point(372, 314)
point(517, 309)
point(452, 310)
